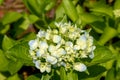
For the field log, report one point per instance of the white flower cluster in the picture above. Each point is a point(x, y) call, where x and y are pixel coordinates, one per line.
point(63, 46)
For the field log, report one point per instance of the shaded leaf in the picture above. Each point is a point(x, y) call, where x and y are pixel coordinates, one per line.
point(10, 17)
point(102, 54)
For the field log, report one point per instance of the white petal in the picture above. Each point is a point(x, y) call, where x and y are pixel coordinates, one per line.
point(37, 64)
point(82, 42)
point(40, 53)
point(79, 67)
point(41, 34)
point(42, 68)
point(48, 68)
point(69, 44)
point(51, 59)
point(56, 38)
point(33, 44)
point(91, 55)
point(43, 45)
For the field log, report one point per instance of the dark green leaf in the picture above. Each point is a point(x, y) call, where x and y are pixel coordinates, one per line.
point(94, 72)
point(102, 54)
point(11, 17)
point(98, 26)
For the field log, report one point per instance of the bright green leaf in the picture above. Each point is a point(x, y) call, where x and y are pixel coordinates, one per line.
point(3, 62)
point(34, 77)
point(105, 9)
point(63, 75)
point(46, 77)
point(7, 43)
point(20, 51)
point(1, 1)
point(10, 17)
point(33, 18)
point(14, 77)
point(89, 18)
point(14, 66)
point(70, 10)
point(117, 4)
point(2, 77)
point(110, 74)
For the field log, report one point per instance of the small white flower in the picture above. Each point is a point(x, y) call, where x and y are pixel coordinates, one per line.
point(42, 68)
point(82, 42)
point(33, 44)
point(37, 64)
point(76, 47)
point(48, 68)
point(40, 53)
point(41, 34)
point(51, 48)
point(43, 45)
point(56, 38)
point(69, 44)
point(58, 53)
point(51, 59)
point(79, 67)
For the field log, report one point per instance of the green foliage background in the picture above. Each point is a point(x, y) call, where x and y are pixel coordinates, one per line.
point(95, 14)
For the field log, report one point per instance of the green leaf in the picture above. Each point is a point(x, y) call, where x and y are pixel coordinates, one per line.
point(90, 18)
point(14, 77)
point(70, 10)
point(46, 77)
point(34, 77)
point(14, 66)
point(110, 74)
point(102, 54)
point(10, 17)
point(1, 1)
point(104, 9)
point(94, 72)
point(117, 4)
point(20, 51)
point(72, 75)
point(7, 43)
point(3, 62)
point(63, 75)
point(107, 35)
point(33, 18)
point(98, 26)
point(2, 77)
point(33, 6)
point(60, 11)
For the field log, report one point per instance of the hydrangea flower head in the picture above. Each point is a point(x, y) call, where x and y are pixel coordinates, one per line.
point(63, 46)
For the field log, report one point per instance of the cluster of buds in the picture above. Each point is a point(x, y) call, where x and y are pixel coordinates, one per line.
point(63, 46)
